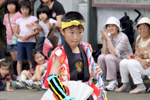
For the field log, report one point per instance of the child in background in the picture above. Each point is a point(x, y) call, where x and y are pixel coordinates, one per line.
point(26, 37)
point(43, 14)
point(5, 76)
point(35, 79)
point(12, 8)
point(71, 61)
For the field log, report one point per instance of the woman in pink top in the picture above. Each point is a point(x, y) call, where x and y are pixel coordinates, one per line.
point(11, 7)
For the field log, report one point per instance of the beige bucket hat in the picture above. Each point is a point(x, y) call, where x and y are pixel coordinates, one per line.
point(143, 20)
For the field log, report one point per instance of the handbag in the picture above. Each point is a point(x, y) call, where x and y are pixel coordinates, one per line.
point(14, 38)
point(53, 35)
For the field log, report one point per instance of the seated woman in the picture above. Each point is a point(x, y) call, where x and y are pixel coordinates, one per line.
point(116, 46)
point(138, 64)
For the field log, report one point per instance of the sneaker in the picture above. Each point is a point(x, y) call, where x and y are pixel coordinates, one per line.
point(18, 79)
point(112, 85)
point(38, 85)
point(105, 84)
point(17, 85)
point(43, 87)
point(26, 84)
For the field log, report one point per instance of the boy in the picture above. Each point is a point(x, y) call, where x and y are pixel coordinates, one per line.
point(71, 61)
point(5, 76)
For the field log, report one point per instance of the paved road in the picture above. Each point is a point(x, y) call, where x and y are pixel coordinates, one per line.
point(25, 94)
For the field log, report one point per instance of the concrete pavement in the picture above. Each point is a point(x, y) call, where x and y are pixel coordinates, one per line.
point(26, 94)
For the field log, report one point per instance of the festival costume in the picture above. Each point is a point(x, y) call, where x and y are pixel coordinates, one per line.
point(67, 73)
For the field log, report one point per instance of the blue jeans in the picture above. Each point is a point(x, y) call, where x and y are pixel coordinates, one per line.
point(24, 48)
point(2, 86)
point(11, 47)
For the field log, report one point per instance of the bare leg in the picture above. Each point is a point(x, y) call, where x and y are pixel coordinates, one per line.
point(14, 55)
point(19, 67)
point(14, 58)
point(38, 73)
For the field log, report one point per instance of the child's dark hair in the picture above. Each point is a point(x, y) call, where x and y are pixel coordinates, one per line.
point(49, 52)
point(44, 9)
point(5, 63)
point(43, 2)
point(73, 15)
point(15, 2)
point(35, 51)
point(26, 3)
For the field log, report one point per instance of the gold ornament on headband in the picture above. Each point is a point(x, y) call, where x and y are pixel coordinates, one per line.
point(71, 23)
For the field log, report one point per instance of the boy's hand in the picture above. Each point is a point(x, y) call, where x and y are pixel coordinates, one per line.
point(8, 87)
point(98, 70)
point(10, 90)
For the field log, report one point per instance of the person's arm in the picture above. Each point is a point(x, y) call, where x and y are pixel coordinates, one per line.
point(37, 71)
point(111, 47)
point(54, 82)
point(35, 26)
point(8, 87)
point(30, 35)
point(55, 66)
point(104, 48)
point(97, 70)
point(58, 24)
point(15, 32)
point(2, 59)
point(2, 3)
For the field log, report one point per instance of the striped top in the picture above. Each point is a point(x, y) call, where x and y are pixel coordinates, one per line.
point(6, 78)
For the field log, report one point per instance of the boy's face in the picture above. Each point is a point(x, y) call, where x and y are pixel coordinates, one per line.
point(73, 36)
point(4, 70)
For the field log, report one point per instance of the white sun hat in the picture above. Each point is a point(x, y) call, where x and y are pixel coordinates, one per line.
point(143, 20)
point(112, 20)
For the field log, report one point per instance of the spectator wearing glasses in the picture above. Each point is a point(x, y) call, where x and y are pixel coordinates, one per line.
point(139, 63)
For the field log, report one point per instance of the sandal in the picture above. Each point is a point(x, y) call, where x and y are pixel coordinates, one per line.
point(122, 89)
point(136, 91)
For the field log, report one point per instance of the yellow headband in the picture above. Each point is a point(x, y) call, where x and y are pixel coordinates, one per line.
point(74, 22)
